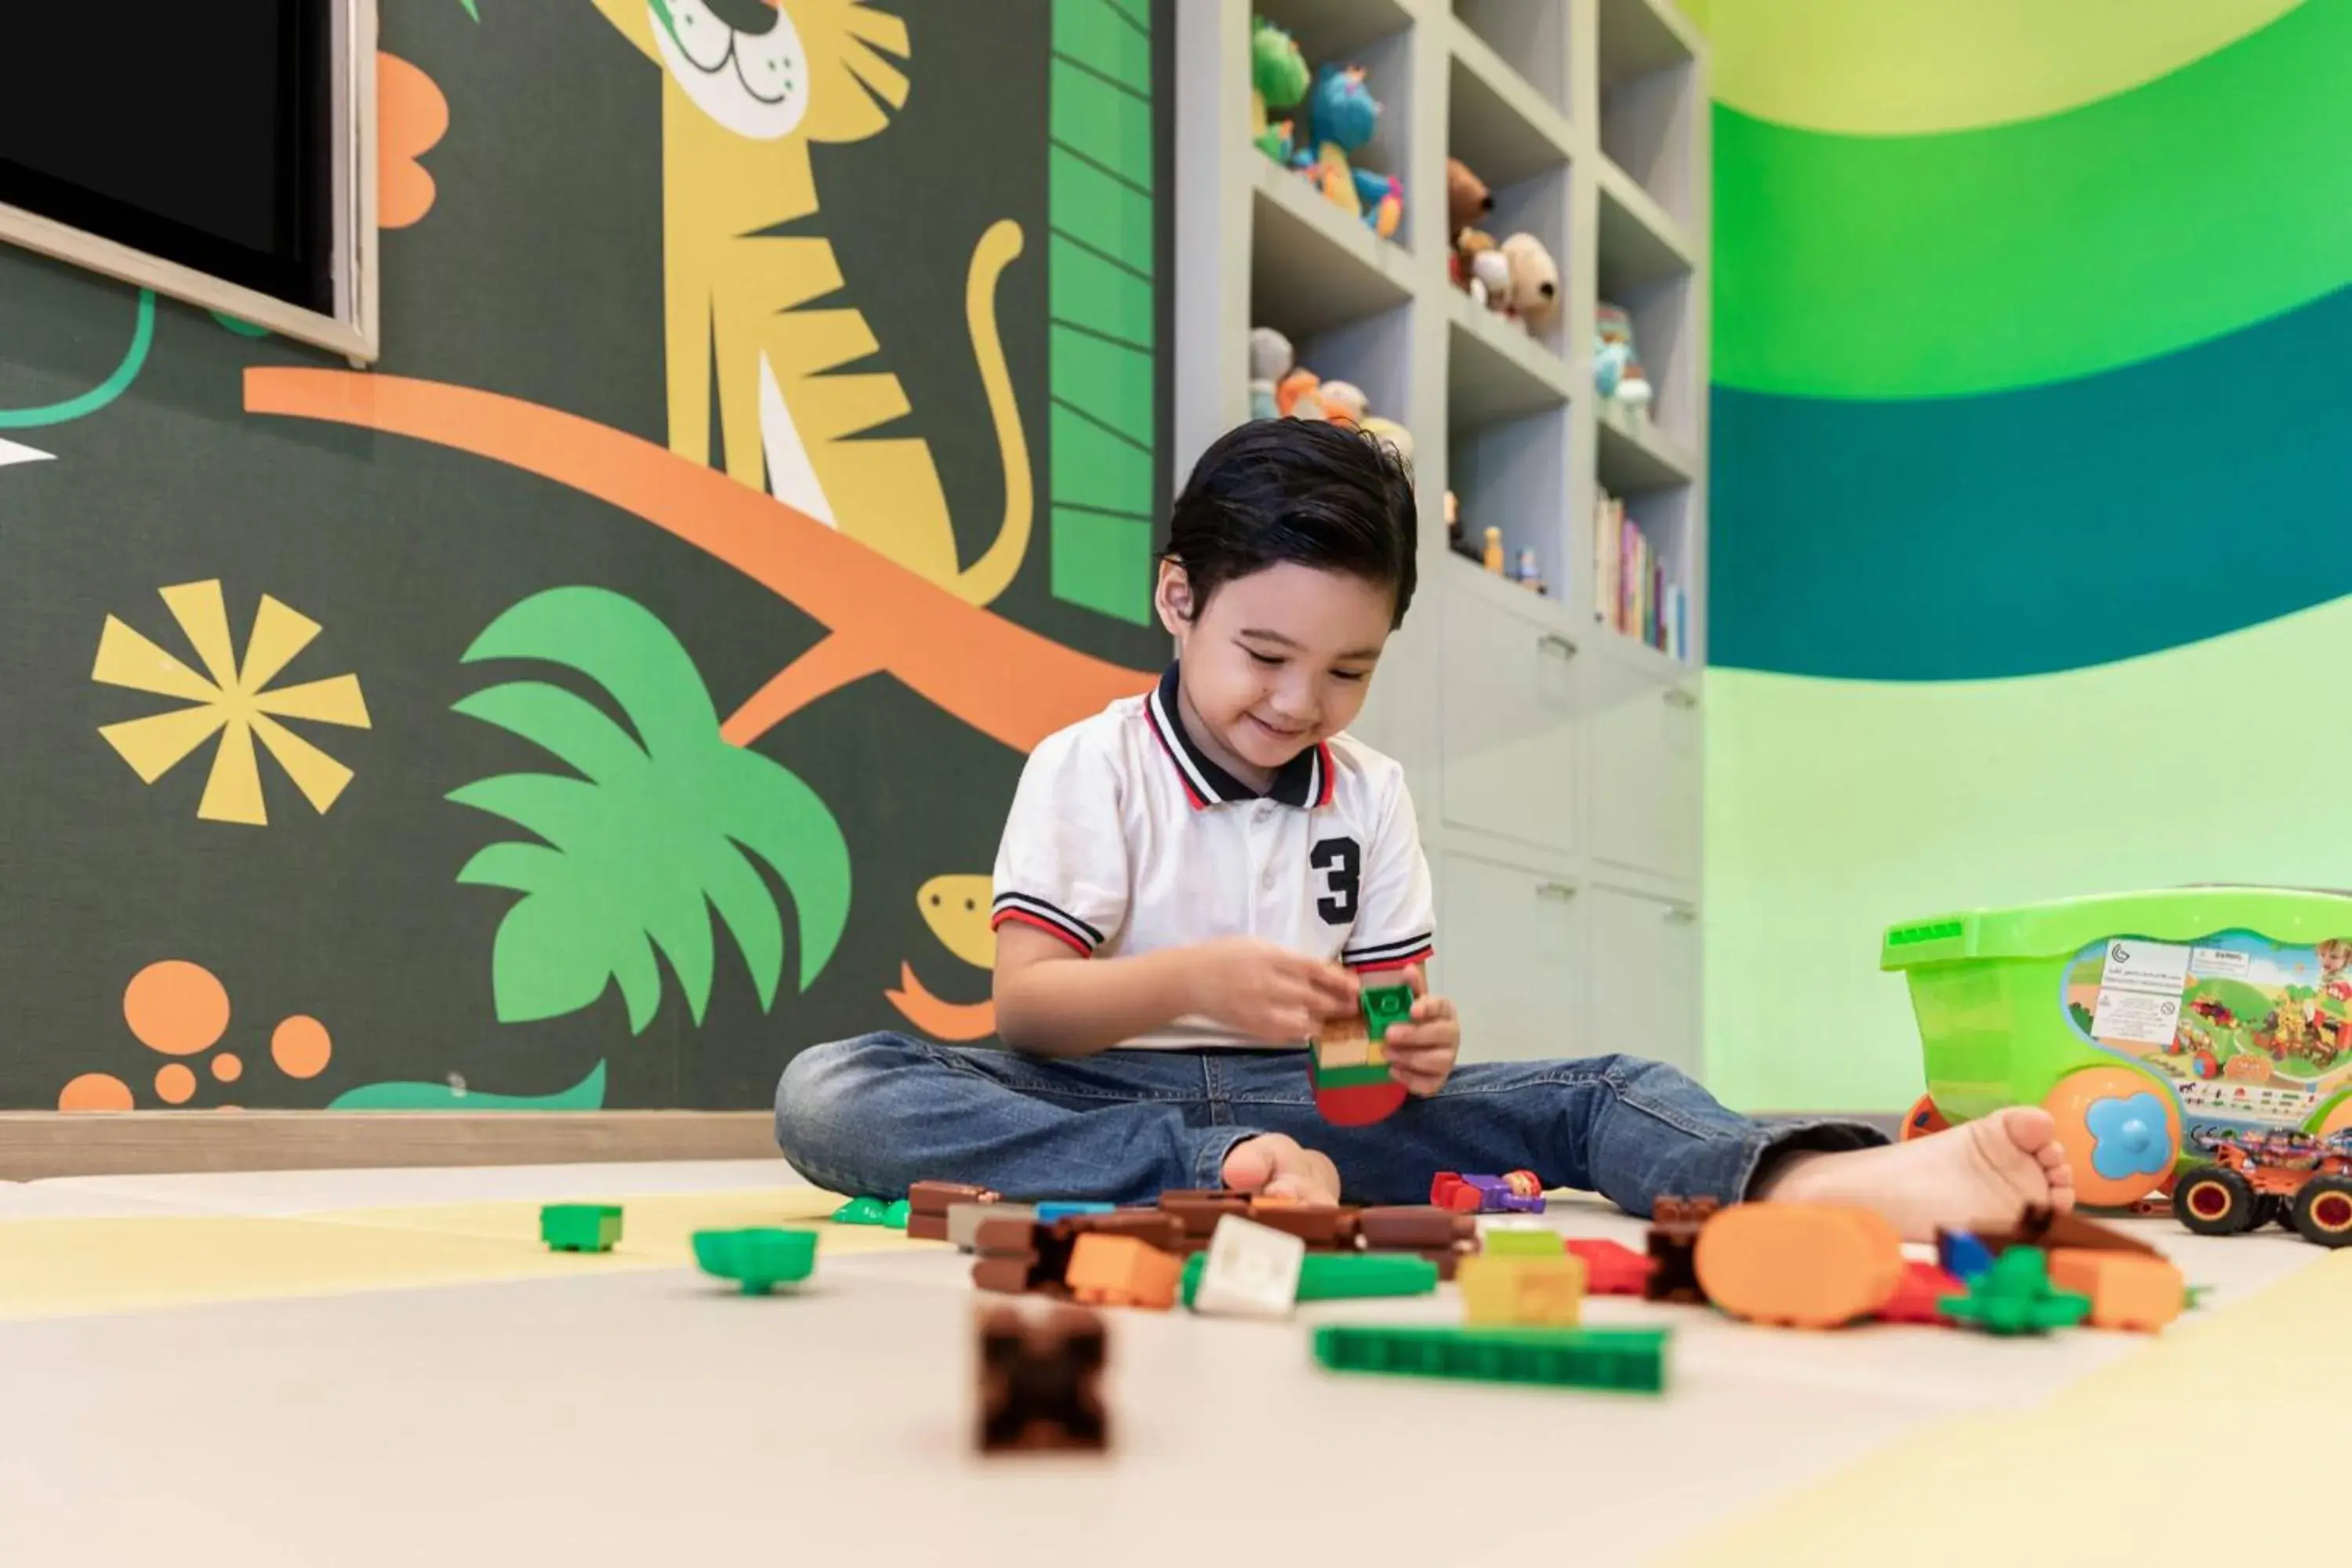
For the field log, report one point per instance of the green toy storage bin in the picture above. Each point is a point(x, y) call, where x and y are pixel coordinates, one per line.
point(2134, 1015)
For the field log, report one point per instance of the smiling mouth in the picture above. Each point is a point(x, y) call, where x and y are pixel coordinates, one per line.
point(736, 58)
point(1277, 731)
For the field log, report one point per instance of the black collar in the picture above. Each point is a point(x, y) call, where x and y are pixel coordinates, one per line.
point(1304, 782)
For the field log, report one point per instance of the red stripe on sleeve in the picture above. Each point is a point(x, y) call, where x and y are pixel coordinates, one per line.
point(1048, 927)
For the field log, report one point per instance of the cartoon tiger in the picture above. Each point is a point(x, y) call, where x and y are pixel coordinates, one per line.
point(747, 86)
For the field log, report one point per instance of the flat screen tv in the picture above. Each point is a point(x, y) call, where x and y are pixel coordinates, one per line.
point(222, 152)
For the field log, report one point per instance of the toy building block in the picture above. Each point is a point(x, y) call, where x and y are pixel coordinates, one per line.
point(1612, 1269)
point(2127, 1289)
point(1623, 1359)
point(1323, 1225)
point(1674, 1226)
point(2014, 1297)
point(861, 1211)
point(1529, 1291)
point(1163, 1231)
point(1047, 1213)
point(897, 1215)
point(927, 1204)
point(2049, 1230)
point(580, 1228)
point(1512, 1241)
point(759, 1258)
point(1807, 1266)
point(1347, 1067)
point(1121, 1271)
point(964, 1219)
point(1515, 1191)
point(1443, 1237)
point(1250, 1270)
point(1919, 1297)
point(1962, 1254)
point(1346, 1275)
point(1200, 1209)
point(1041, 1381)
point(1008, 1252)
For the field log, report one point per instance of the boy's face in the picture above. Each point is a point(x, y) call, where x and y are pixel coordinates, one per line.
point(1276, 661)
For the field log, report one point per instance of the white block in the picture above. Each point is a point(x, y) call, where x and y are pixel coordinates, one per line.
point(1252, 1270)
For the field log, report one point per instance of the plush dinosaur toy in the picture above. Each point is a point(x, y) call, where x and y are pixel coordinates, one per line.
point(1341, 115)
point(1278, 78)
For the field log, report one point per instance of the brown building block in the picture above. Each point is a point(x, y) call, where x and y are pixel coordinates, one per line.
point(1414, 1227)
point(1007, 1274)
point(927, 1204)
point(964, 1220)
point(1006, 1233)
point(1323, 1227)
point(2127, 1289)
point(1164, 1231)
point(1041, 1381)
point(1200, 1209)
point(2043, 1228)
point(1810, 1266)
point(1673, 1238)
point(1122, 1271)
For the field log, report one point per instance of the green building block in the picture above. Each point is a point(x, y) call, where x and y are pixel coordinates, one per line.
point(759, 1258)
point(1629, 1360)
point(580, 1228)
point(1515, 1243)
point(1386, 1005)
point(861, 1211)
point(894, 1216)
point(2014, 1297)
point(1339, 1276)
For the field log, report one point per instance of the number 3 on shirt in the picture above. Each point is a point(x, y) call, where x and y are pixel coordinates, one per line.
point(1342, 863)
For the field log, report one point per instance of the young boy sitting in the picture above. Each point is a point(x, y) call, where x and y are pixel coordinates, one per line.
point(1192, 882)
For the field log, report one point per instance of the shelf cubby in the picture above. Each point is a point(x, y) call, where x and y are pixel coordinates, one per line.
point(1646, 60)
point(1534, 37)
point(1510, 474)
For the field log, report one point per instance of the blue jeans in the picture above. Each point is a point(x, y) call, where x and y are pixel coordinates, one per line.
point(877, 1114)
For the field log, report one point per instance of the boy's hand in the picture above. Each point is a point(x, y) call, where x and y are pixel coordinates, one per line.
point(1421, 1053)
point(1267, 992)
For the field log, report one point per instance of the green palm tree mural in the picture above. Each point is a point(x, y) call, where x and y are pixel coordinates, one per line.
point(658, 825)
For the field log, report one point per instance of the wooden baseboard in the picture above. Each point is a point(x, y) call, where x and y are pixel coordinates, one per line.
point(37, 1144)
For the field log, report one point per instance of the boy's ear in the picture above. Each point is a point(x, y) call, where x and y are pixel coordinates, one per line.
point(1174, 598)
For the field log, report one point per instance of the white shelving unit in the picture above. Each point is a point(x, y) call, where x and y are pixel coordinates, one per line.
point(1555, 761)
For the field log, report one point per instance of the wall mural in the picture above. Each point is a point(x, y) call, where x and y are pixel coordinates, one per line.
point(621, 686)
point(2031, 323)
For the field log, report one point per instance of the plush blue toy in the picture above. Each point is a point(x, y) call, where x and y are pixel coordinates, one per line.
point(1341, 116)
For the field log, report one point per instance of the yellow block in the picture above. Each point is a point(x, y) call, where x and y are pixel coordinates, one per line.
point(57, 1268)
point(1503, 1289)
point(2070, 1478)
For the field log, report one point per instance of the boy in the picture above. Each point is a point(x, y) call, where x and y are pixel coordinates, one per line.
point(1191, 882)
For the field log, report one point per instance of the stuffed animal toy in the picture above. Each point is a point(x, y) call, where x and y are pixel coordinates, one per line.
point(1468, 199)
point(1616, 374)
point(1390, 431)
point(1486, 272)
point(1341, 116)
point(1344, 403)
point(1533, 295)
point(1278, 78)
point(1299, 395)
point(1270, 360)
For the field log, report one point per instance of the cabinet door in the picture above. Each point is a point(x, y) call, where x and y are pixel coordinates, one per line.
point(1642, 770)
point(1509, 735)
point(1645, 977)
point(1510, 954)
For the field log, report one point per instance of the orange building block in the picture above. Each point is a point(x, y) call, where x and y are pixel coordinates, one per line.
point(2127, 1289)
point(1121, 1271)
point(1810, 1266)
point(1508, 1289)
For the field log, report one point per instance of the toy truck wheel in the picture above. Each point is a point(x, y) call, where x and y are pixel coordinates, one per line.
point(2215, 1201)
point(2322, 1211)
point(2121, 1130)
point(2269, 1210)
point(1922, 1119)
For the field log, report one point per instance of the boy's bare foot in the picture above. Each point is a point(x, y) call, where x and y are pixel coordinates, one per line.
point(1280, 1167)
point(1982, 1173)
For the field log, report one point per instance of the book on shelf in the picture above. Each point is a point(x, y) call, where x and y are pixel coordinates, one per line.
point(1636, 589)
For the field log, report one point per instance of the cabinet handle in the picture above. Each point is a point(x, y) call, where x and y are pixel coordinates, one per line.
point(1553, 643)
point(1677, 697)
point(1558, 891)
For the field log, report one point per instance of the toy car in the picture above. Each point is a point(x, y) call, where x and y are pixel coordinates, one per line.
point(2259, 1177)
point(2129, 1015)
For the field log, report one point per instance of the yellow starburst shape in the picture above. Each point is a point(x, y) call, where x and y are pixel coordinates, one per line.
point(231, 698)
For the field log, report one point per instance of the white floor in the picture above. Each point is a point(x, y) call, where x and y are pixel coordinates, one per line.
point(651, 1417)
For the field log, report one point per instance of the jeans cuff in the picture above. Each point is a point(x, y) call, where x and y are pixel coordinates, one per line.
point(1776, 1141)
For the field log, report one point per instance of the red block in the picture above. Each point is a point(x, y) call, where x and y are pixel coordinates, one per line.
point(1611, 1269)
point(1924, 1285)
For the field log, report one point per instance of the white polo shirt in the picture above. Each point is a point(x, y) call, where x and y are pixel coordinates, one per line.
point(1125, 838)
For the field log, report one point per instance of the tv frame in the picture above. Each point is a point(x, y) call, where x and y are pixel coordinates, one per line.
point(352, 326)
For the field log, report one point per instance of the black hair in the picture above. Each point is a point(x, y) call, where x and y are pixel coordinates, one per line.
point(1299, 490)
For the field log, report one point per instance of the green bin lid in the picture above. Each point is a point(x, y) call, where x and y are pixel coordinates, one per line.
point(2063, 927)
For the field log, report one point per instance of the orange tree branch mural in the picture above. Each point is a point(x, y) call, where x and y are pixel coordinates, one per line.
point(1003, 679)
point(654, 827)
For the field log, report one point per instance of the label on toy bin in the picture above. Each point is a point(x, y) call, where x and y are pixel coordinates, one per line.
point(2242, 1026)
